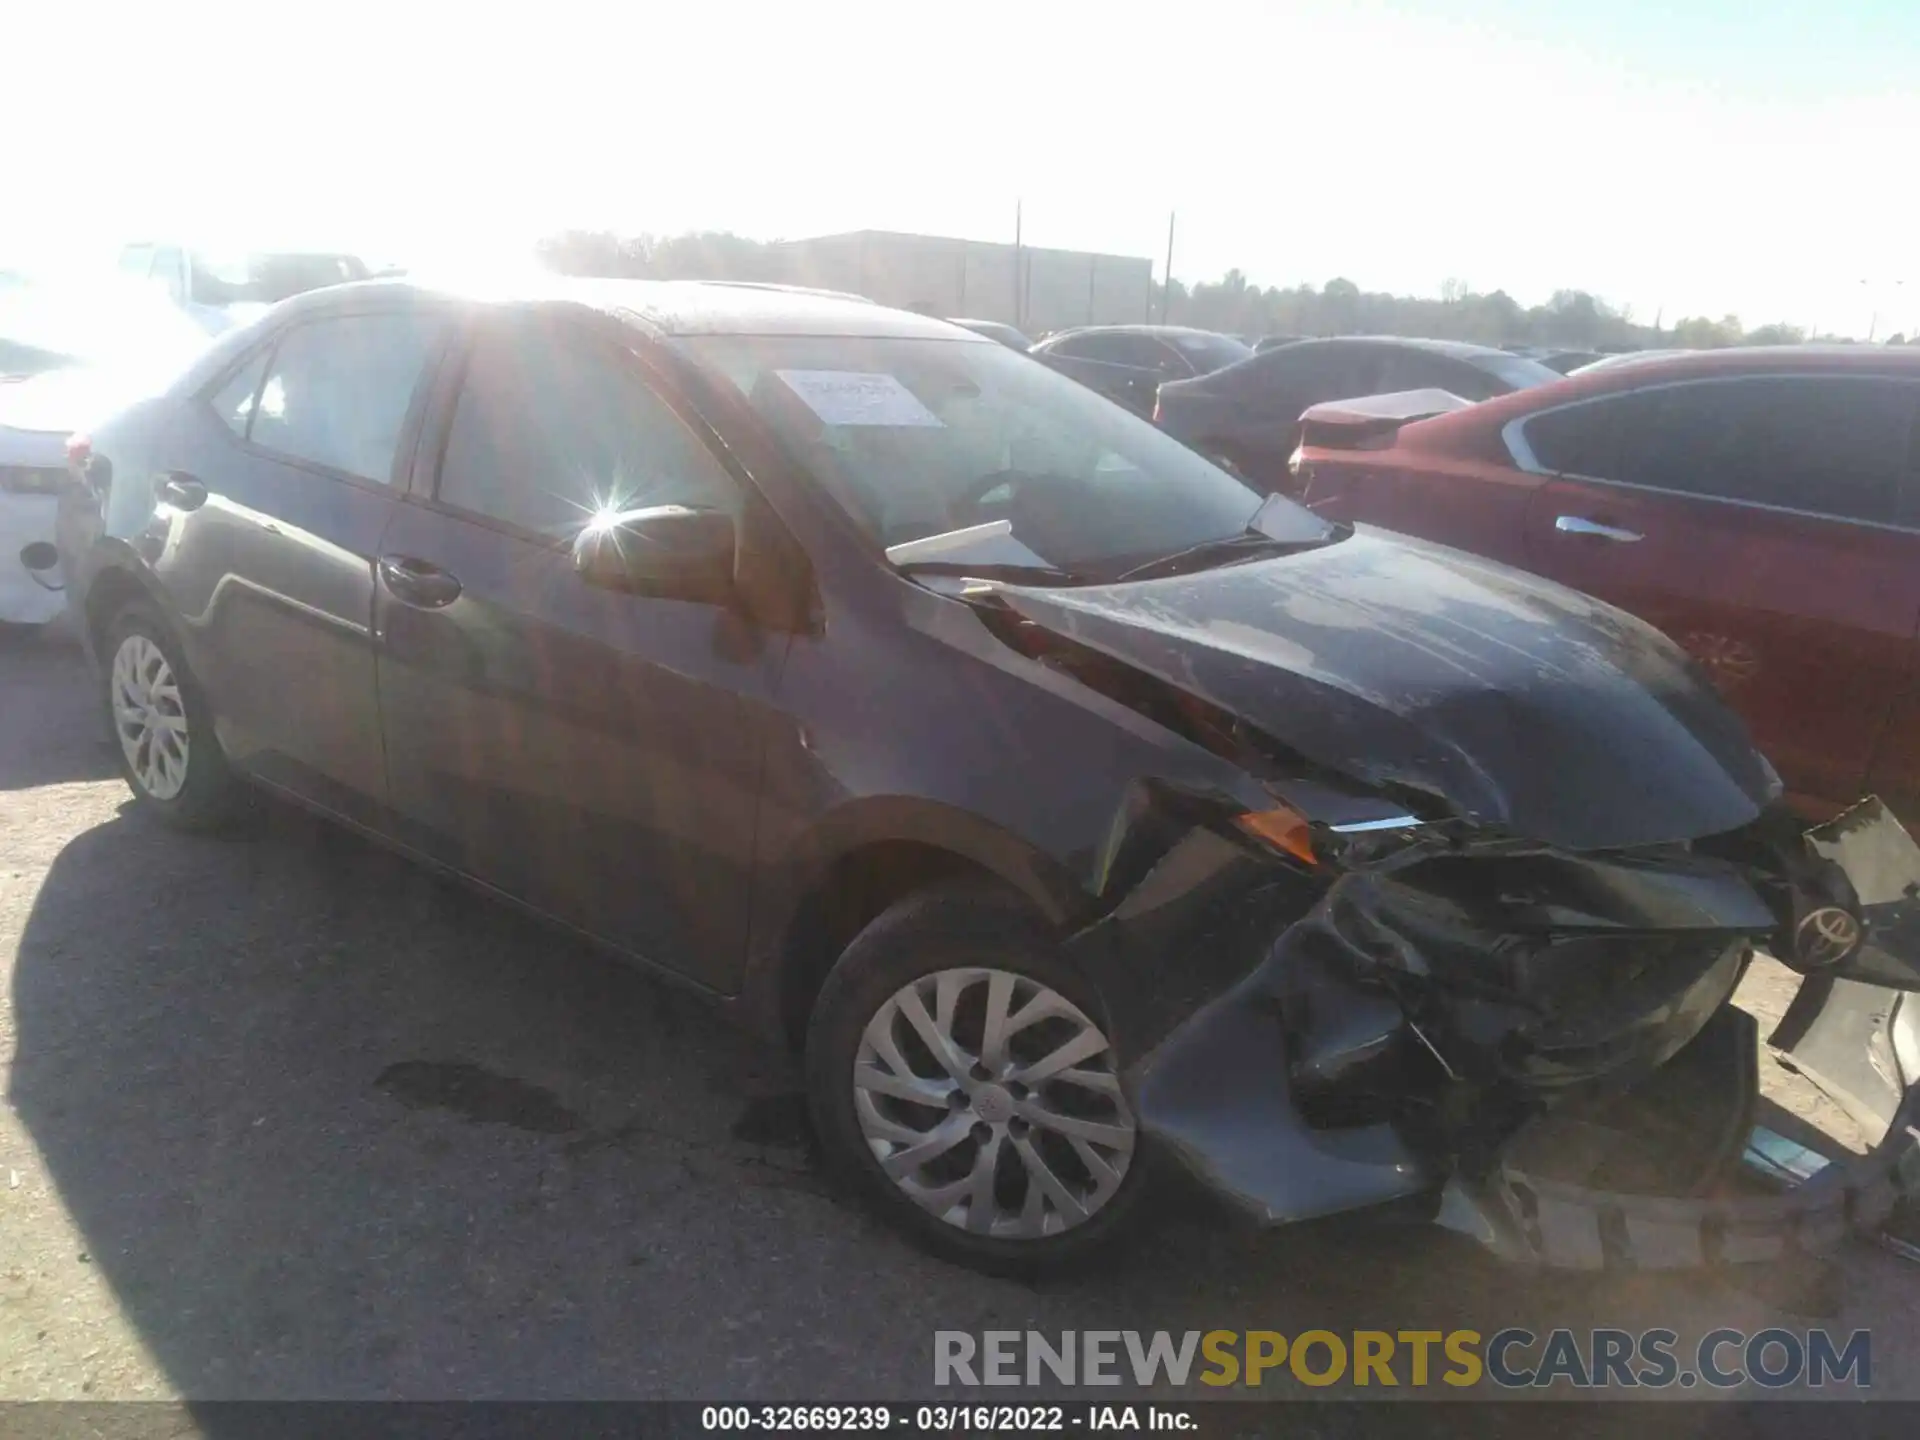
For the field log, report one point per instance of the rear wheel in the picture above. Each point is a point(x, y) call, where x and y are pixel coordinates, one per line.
point(963, 1078)
point(162, 726)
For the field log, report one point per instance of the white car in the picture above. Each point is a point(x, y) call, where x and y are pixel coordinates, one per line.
point(68, 355)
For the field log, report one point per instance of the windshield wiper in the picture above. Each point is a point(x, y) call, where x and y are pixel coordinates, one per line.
point(1013, 574)
point(1249, 545)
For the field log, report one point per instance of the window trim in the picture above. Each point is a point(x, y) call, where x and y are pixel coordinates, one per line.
point(429, 455)
point(269, 346)
point(1513, 437)
point(262, 354)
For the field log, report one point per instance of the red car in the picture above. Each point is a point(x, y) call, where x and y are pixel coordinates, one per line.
point(1760, 506)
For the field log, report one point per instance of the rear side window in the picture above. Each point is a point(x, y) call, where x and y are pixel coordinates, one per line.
point(234, 401)
point(1142, 352)
point(1082, 347)
point(337, 390)
point(1829, 445)
point(1411, 369)
point(1343, 374)
point(1147, 353)
point(553, 426)
point(1575, 440)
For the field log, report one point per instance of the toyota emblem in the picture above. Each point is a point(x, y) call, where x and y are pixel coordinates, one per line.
point(1826, 936)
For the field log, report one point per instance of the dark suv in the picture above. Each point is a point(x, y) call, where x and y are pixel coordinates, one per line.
point(1067, 805)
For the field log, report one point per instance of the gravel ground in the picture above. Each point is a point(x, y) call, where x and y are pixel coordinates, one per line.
point(289, 1119)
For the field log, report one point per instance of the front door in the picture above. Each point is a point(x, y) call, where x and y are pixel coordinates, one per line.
point(1753, 520)
point(593, 753)
point(282, 482)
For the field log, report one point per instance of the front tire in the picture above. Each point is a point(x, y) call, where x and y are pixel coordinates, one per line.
point(162, 725)
point(962, 1079)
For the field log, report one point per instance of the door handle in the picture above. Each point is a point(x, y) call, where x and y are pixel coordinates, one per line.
point(180, 490)
point(1580, 525)
point(418, 583)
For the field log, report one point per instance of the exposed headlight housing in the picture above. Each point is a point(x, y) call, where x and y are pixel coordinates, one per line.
point(1341, 845)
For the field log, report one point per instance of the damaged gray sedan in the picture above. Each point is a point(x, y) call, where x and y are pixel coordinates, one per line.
point(1077, 812)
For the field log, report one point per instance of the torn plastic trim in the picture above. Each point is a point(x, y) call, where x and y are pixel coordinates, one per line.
point(1533, 1221)
point(1231, 1092)
point(1386, 1042)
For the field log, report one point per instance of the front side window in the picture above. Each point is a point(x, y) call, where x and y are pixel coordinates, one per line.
point(554, 426)
point(1824, 444)
point(337, 390)
point(920, 437)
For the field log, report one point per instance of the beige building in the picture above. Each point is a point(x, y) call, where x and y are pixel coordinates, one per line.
point(1036, 289)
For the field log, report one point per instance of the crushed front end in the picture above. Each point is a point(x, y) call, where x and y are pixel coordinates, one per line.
point(1539, 1046)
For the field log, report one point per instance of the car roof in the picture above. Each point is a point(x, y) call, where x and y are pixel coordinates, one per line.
point(1458, 349)
point(1444, 433)
point(672, 307)
point(1747, 359)
point(1154, 330)
point(968, 322)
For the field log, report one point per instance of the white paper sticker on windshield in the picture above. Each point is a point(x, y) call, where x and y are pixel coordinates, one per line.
point(848, 397)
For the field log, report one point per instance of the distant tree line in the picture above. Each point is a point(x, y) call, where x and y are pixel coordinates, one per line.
point(1571, 319)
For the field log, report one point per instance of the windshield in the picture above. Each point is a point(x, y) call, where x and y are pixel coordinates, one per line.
point(920, 437)
point(1517, 371)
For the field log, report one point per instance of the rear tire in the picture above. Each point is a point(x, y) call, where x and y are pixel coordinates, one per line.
point(1007, 1149)
point(162, 726)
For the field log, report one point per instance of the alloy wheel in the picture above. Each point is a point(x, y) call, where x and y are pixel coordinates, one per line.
point(993, 1102)
point(149, 717)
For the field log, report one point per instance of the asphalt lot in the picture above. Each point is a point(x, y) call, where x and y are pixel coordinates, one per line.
point(289, 1118)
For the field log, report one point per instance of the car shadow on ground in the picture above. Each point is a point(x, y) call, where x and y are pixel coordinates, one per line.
point(331, 1127)
point(49, 738)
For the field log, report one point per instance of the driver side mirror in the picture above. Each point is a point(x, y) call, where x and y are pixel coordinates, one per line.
point(670, 551)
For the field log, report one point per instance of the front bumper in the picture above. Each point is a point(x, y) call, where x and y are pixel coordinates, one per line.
point(25, 519)
point(1333, 1077)
point(1531, 1220)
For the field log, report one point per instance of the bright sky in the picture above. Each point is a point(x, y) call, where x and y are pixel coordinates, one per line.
point(1701, 156)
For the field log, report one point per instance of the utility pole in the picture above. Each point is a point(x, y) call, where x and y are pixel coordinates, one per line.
point(1018, 316)
point(1166, 297)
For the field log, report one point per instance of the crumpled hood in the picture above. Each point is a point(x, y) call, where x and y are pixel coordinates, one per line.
point(1518, 702)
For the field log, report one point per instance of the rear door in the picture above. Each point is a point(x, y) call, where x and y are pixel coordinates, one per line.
point(1757, 521)
point(1251, 414)
point(283, 483)
point(594, 754)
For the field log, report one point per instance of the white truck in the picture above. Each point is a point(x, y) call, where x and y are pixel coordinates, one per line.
point(218, 289)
